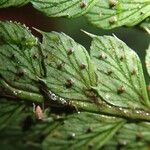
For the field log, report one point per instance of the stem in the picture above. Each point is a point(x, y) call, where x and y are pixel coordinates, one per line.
point(33, 97)
point(100, 107)
point(104, 108)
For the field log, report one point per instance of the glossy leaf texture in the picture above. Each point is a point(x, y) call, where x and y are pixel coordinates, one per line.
point(130, 137)
point(15, 3)
point(147, 60)
point(83, 131)
point(20, 57)
point(120, 76)
point(70, 72)
point(109, 14)
point(67, 8)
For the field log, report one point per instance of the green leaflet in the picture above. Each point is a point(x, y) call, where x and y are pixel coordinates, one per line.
point(8, 3)
point(20, 57)
point(15, 120)
point(105, 14)
point(109, 14)
point(110, 94)
point(82, 131)
point(147, 60)
point(9, 112)
point(12, 113)
point(67, 8)
point(70, 72)
point(131, 137)
point(41, 129)
point(121, 80)
point(15, 33)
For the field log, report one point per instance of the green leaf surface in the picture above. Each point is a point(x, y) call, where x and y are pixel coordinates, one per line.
point(107, 89)
point(9, 112)
point(67, 8)
point(131, 137)
point(105, 14)
point(109, 14)
point(15, 3)
point(82, 131)
point(15, 120)
point(120, 75)
point(70, 72)
point(147, 60)
point(20, 57)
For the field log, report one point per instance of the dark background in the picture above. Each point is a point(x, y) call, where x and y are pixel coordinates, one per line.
point(135, 38)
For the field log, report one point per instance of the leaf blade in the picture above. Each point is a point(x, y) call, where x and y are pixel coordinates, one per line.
point(131, 136)
point(119, 72)
point(70, 71)
point(9, 113)
point(21, 56)
point(61, 8)
point(78, 132)
point(111, 14)
point(14, 3)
